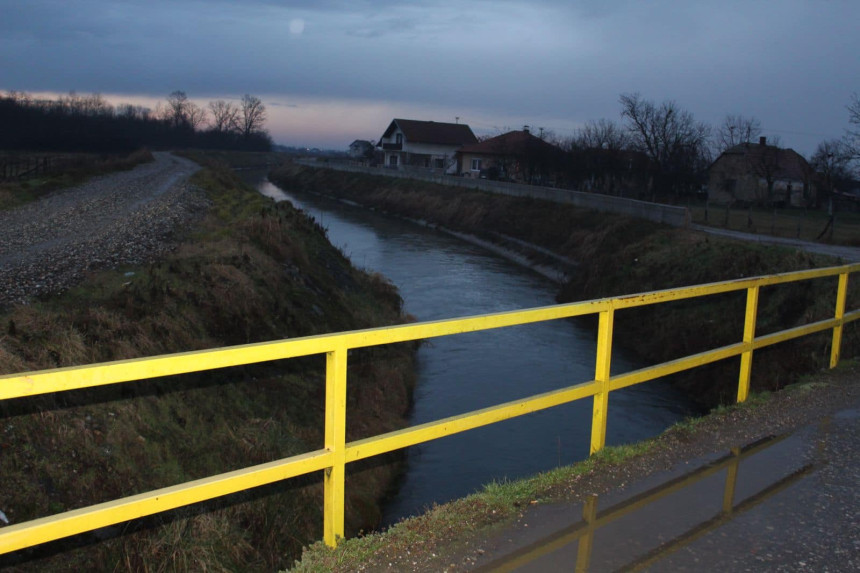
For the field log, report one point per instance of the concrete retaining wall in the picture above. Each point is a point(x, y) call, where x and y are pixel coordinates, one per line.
point(657, 212)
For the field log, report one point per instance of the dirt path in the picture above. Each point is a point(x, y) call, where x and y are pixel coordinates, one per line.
point(848, 254)
point(112, 220)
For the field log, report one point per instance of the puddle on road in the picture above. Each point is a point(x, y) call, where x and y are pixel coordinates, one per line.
point(633, 529)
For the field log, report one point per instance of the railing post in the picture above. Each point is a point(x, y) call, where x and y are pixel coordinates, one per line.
point(335, 441)
point(749, 338)
point(731, 482)
point(841, 295)
point(601, 376)
point(583, 551)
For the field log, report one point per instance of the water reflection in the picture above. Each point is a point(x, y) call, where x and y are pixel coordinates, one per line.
point(638, 532)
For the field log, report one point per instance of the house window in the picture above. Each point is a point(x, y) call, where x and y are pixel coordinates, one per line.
point(399, 139)
point(476, 164)
point(392, 160)
point(438, 163)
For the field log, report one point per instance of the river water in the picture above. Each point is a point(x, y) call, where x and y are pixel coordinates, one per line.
point(443, 277)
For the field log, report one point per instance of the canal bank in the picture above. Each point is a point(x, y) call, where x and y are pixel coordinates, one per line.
point(440, 276)
point(243, 270)
point(617, 256)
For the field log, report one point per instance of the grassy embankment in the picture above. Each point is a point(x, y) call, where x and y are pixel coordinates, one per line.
point(74, 170)
point(248, 271)
point(793, 223)
point(620, 255)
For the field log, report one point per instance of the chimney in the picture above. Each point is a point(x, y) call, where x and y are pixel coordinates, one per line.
point(762, 141)
point(526, 128)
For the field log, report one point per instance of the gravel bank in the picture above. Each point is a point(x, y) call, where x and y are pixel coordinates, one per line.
point(123, 218)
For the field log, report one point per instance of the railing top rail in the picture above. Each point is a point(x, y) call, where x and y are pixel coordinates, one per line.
point(77, 377)
point(337, 453)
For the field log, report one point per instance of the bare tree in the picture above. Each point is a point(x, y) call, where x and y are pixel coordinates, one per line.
point(674, 141)
point(852, 137)
point(176, 109)
point(736, 129)
point(832, 158)
point(196, 116)
point(22, 98)
point(131, 111)
point(252, 116)
point(225, 116)
point(600, 134)
point(182, 112)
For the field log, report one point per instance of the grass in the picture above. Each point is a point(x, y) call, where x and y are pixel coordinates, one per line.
point(248, 271)
point(688, 425)
point(443, 528)
point(497, 503)
point(74, 170)
point(619, 256)
point(805, 224)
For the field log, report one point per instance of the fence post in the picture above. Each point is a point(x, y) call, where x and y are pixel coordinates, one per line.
point(841, 295)
point(601, 376)
point(335, 441)
point(749, 337)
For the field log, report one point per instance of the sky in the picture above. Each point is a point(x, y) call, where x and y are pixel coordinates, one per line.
point(331, 71)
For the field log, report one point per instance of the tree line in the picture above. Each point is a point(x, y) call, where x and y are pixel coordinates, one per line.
point(662, 148)
point(89, 123)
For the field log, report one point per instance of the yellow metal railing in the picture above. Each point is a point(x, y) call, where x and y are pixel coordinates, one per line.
point(336, 453)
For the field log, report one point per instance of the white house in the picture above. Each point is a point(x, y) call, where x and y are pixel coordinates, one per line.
point(361, 149)
point(424, 144)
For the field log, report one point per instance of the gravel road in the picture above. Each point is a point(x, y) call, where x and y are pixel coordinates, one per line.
point(122, 218)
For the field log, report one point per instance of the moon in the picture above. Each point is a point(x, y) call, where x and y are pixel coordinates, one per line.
point(297, 26)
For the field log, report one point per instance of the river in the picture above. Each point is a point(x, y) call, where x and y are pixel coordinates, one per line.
point(443, 277)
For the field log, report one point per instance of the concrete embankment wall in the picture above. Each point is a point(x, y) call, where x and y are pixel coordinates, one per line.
point(656, 212)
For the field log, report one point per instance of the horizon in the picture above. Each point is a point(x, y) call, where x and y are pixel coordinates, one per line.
point(333, 71)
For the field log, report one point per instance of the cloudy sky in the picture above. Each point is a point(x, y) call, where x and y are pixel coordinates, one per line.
point(331, 71)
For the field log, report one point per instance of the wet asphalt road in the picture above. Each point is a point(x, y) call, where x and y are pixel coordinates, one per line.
point(783, 503)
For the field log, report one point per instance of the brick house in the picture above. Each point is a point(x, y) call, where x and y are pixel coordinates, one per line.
point(515, 156)
point(424, 144)
point(762, 174)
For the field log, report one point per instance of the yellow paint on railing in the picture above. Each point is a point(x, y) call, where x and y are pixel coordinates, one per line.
point(749, 337)
point(333, 459)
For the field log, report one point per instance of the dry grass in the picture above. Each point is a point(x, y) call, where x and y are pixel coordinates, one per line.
point(74, 170)
point(251, 272)
point(802, 224)
point(620, 255)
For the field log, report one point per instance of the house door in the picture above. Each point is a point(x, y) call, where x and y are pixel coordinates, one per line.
point(392, 160)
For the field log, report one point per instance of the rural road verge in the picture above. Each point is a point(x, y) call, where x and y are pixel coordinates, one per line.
point(117, 219)
point(847, 254)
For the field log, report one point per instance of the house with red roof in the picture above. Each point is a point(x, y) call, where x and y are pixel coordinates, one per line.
point(758, 173)
point(424, 144)
point(513, 156)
